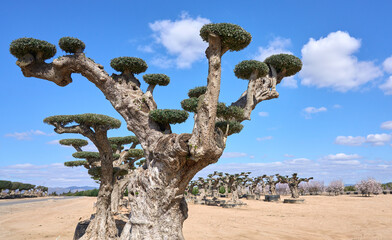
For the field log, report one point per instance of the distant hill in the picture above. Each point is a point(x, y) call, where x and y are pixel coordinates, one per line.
point(60, 190)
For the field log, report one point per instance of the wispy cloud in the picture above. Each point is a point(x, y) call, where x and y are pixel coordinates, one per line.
point(309, 111)
point(28, 135)
point(264, 138)
point(387, 125)
point(379, 139)
point(263, 114)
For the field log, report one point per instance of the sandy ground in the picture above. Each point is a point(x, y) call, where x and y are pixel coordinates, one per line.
point(320, 217)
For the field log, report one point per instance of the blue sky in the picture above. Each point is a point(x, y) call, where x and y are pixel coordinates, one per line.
point(333, 120)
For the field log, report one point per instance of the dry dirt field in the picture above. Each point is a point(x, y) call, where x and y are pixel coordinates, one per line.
point(320, 217)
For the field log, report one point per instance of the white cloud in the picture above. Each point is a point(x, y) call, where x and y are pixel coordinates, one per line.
point(378, 139)
point(387, 125)
point(387, 65)
point(288, 155)
point(27, 135)
point(350, 140)
point(289, 82)
point(264, 138)
point(276, 46)
point(233, 155)
point(387, 86)
point(263, 114)
point(312, 110)
point(181, 39)
point(329, 62)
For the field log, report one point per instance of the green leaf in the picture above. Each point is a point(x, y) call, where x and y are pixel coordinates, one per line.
point(22, 46)
point(132, 64)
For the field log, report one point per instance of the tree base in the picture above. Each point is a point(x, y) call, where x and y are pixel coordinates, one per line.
point(251, 197)
point(293, 200)
point(82, 227)
point(272, 198)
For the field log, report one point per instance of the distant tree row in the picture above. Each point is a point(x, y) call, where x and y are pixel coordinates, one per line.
point(86, 193)
point(10, 189)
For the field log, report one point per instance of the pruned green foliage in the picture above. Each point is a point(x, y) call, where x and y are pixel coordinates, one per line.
point(120, 172)
point(168, 116)
point(15, 185)
point(285, 62)
point(87, 119)
point(136, 153)
point(132, 64)
point(71, 45)
point(197, 92)
point(116, 147)
point(73, 142)
point(5, 184)
point(75, 163)
point(95, 172)
point(190, 104)
point(229, 112)
point(91, 155)
point(22, 46)
point(234, 126)
point(141, 162)
point(245, 69)
point(86, 155)
point(156, 79)
point(233, 37)
point(123, 140)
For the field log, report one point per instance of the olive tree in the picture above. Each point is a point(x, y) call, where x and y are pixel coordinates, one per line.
point(271, 181)
point(293, 183)
point(4, 185)
point(172, 160)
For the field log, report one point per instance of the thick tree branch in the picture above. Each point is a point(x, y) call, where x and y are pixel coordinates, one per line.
point(123, 91)
point(202, 141)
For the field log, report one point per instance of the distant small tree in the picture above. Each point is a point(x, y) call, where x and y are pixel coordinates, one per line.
point(369, 186)
point(271, 182)
point(293, 183)
point(335, 187)
point(4, 185)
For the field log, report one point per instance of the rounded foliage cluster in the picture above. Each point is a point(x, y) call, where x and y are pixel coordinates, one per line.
point(190, 104)
point(75, 163)
point(95, 172)
point(86, 155)
point(87, 119)
point(123, 140)
point(197, 92)
point(73, 142)
point(229, 112)
point(234, 126)
point(168, 116)
point(245, 69)
point(22, 46)
point(132, 64)
point(156, 79)
point(285, 62)
point(233, 37)
point(136, 153)
point(71, 45)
